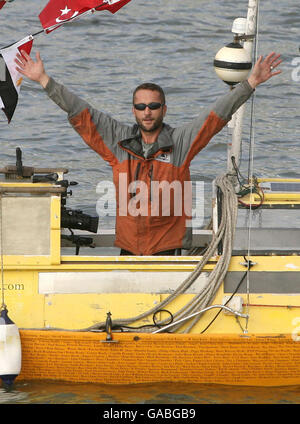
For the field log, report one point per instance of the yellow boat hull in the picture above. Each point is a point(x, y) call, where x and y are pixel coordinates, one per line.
point(253, 360)
point(266, 353)
point(46, 291)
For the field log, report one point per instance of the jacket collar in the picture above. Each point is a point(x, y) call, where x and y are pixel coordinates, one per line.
point(133, 144)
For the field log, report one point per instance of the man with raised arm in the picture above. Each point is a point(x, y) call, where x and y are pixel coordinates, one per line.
point(149, 158)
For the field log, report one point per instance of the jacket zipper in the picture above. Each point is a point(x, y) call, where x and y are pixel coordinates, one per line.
point(135, 178)
point(151, 175)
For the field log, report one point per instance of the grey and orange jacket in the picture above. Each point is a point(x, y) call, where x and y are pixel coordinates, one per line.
point(141, 227)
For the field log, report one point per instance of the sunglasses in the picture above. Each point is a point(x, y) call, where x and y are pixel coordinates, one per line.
point(152, 106)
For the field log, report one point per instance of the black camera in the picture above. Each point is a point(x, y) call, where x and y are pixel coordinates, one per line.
point(72, 219)
point(75, 219)
point(78, 220)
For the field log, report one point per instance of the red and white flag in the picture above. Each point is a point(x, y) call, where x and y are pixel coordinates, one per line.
point(10, 78)
point(57, 12)
point(112, 5)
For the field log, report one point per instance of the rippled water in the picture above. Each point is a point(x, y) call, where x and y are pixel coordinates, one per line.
point(47, 392)
point(103, 58)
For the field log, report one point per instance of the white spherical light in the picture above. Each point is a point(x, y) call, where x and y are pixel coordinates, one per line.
point(232, 63)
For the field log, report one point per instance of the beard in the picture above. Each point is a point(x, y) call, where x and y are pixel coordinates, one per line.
point(156, 123)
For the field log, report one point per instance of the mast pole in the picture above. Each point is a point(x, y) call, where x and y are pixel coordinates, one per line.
point(236, 123)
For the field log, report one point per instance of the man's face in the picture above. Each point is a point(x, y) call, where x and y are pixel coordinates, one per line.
point(147, 119)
